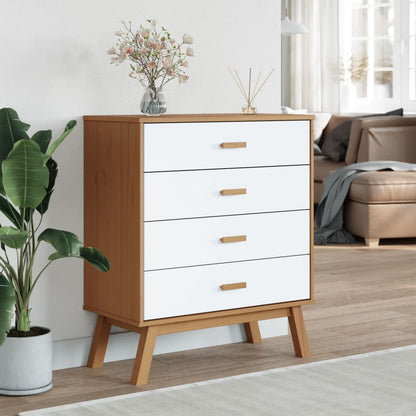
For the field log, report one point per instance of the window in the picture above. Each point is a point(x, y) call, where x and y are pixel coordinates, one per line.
point(378, 53)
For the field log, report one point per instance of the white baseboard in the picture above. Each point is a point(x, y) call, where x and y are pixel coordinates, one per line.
point(123, 345)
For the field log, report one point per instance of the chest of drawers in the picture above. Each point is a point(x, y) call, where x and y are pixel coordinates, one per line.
point(207, 221)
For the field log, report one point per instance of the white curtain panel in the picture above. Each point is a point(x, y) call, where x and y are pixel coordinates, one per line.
point(310, 61)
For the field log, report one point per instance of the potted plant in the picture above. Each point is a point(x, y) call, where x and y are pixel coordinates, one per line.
point(156, 58)
point(27, 178)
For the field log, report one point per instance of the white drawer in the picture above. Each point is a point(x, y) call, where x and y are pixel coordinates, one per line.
point(197, 289)
point(184, 146)
point(178, 243)
point(169, 195)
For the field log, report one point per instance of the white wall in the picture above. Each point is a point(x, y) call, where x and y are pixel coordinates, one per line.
point(54, 68)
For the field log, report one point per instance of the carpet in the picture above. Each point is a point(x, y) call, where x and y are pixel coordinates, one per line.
point(378, 383)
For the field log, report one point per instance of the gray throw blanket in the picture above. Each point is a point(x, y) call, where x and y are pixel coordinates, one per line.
point(329, 215)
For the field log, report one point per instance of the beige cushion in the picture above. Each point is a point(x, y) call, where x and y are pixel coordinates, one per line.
point(388, 143)
point(384, 187)
point(380, 220)
point(324, 166)
point(361, 123)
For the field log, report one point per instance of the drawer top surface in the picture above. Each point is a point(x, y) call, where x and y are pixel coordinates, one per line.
point(184, 118)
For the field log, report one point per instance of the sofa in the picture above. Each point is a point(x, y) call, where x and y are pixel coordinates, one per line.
point(379, 204)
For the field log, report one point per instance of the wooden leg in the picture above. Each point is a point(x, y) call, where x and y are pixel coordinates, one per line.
point(144, 356)
point(297, 329)
point(371, 242)
point(99, 343)
point(253, 332)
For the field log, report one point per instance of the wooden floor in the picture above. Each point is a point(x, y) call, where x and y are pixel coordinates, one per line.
point(365, 301)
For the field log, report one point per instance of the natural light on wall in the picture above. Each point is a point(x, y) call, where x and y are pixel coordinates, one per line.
point(377, 55)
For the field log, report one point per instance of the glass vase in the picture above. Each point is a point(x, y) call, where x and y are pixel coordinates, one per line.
point(153, 102)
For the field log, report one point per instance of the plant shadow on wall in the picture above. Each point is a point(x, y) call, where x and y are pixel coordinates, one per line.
point(156, 58)
point(27, 178)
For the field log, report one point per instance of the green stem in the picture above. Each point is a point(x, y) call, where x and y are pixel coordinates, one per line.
point(37, 277)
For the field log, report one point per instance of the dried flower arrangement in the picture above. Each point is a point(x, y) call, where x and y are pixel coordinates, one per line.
point(353, 68)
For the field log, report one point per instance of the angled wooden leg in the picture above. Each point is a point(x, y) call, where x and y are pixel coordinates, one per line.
point(253, 332)
point(297, 329)
point(144, 356)
point(99, 343)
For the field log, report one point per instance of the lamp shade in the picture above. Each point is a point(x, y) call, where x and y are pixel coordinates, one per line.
point(289, 27)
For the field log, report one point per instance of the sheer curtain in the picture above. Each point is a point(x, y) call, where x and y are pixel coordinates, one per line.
point(310, 61)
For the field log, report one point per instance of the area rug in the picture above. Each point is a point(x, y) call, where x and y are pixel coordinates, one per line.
point(378, 383)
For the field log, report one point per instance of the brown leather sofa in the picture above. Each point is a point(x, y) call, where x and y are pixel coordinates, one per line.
point(379, 204)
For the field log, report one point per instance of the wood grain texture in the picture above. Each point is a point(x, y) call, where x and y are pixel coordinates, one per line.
point(311, 205)
point(233, 239)
point(114, 222)
point(144, 356)
point(223, 320)
point(237, 191)
point(234, 286)
point(366, 301)
point(172, 118)
point(233, 145)
point(113, 165)
point(252, 330)
point(112, 216)
point(99, 343)
point(298, 332)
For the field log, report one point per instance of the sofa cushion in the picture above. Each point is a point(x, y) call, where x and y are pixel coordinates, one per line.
point(361, 123)
point(324, 166)
point(388, 143)
point(337, 141)
point(319, 125)
point(333, 122)
point(384, 187)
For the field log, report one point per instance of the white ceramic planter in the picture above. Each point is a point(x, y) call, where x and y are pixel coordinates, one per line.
point(26, 365)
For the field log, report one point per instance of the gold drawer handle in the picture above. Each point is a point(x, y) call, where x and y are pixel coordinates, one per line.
point(233, 286)
point(233, 239)
point(238, 191)
point(233, 145)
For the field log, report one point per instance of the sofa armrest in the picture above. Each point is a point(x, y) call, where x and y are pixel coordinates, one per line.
point(359, 124)
point(388, 143)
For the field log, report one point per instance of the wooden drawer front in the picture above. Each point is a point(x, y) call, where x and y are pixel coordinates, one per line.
point(169, 195)
point(197, 289)
point(184, 146)
point(190, 242)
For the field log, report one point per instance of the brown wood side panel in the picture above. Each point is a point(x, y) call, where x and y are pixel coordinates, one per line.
point(112, 216)
point(312, 215)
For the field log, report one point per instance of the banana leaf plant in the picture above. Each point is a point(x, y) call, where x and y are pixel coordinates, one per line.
point(27, 179)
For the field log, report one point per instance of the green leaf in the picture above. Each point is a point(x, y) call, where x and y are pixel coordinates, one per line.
point(25, 175)
point(96, 258)
point(68, 129)
point(12, 237)
point(53, 172)
point(10, 212)
point(43, 138)
point(7, 301)
point(67, 244)
point(11, 131)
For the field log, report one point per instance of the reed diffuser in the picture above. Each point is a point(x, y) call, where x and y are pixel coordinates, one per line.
point(248, 94)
